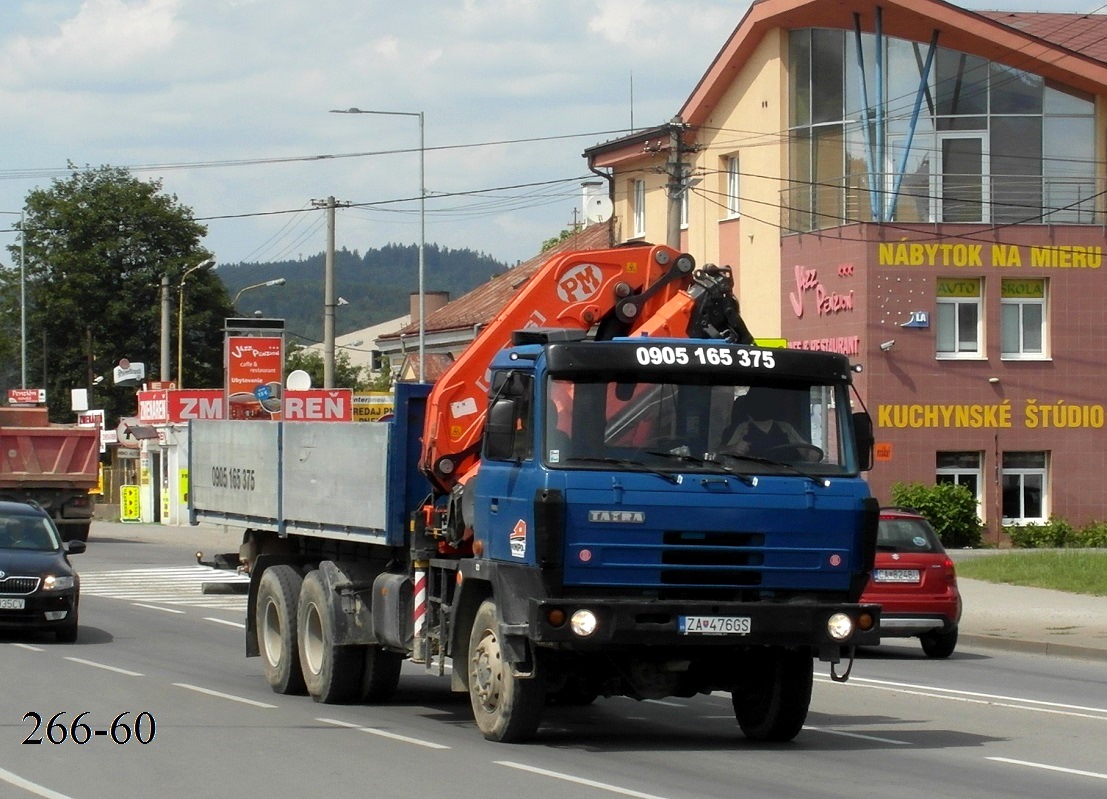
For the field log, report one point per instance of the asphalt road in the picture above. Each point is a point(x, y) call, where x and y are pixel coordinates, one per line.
point(982, 724)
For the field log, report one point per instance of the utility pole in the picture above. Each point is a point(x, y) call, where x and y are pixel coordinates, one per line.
point(163, 373)
point(328, 293)
point(676, 188)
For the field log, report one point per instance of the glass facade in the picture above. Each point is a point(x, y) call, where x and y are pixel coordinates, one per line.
point(991, 143)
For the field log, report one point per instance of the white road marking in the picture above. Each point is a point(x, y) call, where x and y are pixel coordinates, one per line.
point(384, 734)
point(221, 695)
point(30, 787)
point(104, 666)
point(603, 786)
point(977, 698)
point(238, 624)
point(155, 607)
point(1047, 767)
point(845, 734)
point(172, 585)
point(28, 647)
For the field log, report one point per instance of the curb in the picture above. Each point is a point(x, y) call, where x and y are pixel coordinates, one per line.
point(1032, 647)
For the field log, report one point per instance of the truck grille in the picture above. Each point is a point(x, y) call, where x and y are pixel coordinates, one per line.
point(712, 558)
point(18, 586)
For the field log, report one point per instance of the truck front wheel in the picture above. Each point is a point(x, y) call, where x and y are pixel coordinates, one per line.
point(506, 708)
point(278, 593)
point(332, 673)
point(772, 701)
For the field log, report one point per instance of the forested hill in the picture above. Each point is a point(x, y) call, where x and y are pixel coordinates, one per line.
point(376, 285)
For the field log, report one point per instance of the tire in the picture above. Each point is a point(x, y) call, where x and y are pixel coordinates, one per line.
point(76, 532)
point(506, 709)
point(278, 596)
point(772, 704)
point(332, 673)
point(380, 674)
point(939, 643)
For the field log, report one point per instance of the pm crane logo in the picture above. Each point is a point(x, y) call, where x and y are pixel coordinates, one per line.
point(580, 283)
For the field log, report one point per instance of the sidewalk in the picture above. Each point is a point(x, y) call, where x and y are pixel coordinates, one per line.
point(996, 616)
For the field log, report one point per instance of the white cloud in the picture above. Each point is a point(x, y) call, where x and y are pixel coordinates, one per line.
point(104, 40)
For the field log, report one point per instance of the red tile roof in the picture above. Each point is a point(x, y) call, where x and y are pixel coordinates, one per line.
point(1081, 33)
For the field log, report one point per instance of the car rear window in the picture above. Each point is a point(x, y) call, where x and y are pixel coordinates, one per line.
point(906, 535)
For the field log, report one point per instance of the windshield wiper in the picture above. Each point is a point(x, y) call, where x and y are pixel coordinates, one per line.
point(672, 478)
point(770, 462)
point(686, 458)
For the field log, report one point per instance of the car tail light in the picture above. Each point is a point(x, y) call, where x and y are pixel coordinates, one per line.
point(949, 571)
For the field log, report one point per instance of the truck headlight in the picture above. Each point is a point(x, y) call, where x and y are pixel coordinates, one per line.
point(583, 623)
point(840, 626)
point(54, 582)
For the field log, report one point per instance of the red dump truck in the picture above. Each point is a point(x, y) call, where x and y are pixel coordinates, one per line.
point(54, 465)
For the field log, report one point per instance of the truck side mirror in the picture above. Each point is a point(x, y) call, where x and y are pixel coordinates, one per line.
point(499, 430)
point(866, 440)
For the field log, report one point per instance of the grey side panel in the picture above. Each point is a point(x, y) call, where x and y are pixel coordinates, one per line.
point(335, 479)
point(234, 472)
point(314, 478)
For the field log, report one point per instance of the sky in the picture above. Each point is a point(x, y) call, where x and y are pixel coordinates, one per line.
point(227, 103)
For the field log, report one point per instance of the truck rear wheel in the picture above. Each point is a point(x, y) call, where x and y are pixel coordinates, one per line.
point(278, 595)
point(332, 673)
point(75, 532)
point(506, 708)
point(771, 704)
point(380, 675)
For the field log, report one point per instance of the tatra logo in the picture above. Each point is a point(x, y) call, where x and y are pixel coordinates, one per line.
point(617, 516)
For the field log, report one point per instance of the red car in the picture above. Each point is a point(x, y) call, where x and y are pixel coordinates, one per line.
point(915, 583)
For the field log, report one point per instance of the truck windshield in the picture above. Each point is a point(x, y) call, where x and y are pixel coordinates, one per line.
point(743, 429)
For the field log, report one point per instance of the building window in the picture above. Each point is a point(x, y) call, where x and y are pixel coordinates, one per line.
point(733, 182)
point(1022, 318)
point(1025, 479)
point(992, 143)
point(959, 319)
point(639, 209)
point(962, 469)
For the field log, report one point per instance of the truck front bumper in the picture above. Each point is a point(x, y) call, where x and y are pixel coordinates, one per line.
point(633, 623)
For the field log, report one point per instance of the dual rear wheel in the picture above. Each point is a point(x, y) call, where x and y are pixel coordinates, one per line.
point(299, 645)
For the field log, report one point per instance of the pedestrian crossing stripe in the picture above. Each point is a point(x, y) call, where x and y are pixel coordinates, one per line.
point(167, 586)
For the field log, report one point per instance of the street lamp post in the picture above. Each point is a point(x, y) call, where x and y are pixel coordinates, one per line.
point(422, 220)
point(280, 281)
point(203, 265)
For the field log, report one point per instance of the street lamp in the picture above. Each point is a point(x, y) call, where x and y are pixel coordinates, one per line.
point(280, 281)
point(422, 220)
point(204, 266)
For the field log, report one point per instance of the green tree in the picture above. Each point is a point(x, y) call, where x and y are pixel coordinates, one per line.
point(560, 237)
point(97, 245)
point(346, 375)
point(950, 509)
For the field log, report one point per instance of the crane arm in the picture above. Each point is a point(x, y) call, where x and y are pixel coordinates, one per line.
point(616, 289)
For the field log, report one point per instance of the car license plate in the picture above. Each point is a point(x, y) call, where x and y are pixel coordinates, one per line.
point(896, 576)
point(6, 603)
point(714, 625)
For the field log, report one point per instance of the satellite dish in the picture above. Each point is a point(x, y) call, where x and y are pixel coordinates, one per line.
point(598, 209)
point(298, 380)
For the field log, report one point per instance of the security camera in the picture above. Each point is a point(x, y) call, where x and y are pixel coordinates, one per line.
point(887, 345)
